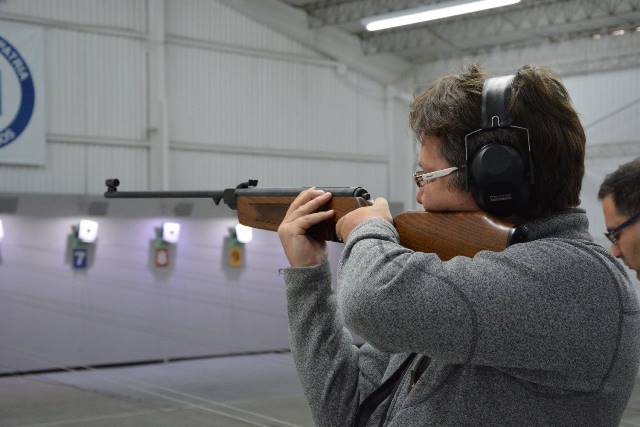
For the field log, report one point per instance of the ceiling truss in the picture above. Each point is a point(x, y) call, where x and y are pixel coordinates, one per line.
point(529, 22)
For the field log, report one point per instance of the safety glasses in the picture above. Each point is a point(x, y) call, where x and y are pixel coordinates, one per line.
point(422, 177)
point(614, 234)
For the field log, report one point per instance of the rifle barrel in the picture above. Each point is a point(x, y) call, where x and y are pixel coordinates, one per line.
point(163, 194)
point(113, 193)
point(246, 189)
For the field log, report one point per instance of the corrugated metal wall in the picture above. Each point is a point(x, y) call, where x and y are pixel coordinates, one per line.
point(260, 105)
point(77, 168)
point(213, 169)
point(233, 87)
point(279, 118)
point(120, 14)
point(95, 81)
point(96, 85)
point(221, 98)
point(243, 102)
point(211, 21)
point(609, 105)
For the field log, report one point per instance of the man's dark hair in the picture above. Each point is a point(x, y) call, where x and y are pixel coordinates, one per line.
point(624, 186)
point(451, 108)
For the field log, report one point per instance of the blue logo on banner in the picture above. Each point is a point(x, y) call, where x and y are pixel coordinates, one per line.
point(27, 103)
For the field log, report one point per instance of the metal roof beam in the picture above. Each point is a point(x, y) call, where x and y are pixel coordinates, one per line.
point(565, 57)
point(334, 43)
point(529, 21)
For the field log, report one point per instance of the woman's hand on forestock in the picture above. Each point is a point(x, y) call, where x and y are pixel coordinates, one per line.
point(300, 249)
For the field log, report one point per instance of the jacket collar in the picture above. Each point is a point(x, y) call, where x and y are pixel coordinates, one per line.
point(570, 224)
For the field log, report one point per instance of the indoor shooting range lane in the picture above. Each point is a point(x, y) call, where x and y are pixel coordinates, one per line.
point(256, 390)
point(182, 95)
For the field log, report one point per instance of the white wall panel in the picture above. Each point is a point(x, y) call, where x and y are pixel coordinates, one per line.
point(75, 169)
point(404, 156)
point(230, 99)
point(597, 96)
point(122, 14)
point(96, 85)
point(371, 122)
point(116, 87)
point(212, 21)
point(66, 82)
point(64, 172)
point(204, 171)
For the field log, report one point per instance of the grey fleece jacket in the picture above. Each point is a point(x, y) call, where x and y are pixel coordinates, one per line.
point(544, 333)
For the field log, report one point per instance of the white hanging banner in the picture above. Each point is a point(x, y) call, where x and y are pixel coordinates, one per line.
point(22, 127)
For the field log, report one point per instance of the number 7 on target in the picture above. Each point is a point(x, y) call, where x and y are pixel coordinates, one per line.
point(79, 259)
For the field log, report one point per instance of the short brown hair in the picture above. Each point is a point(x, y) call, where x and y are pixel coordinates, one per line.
point(450, 108)
point(624, 186)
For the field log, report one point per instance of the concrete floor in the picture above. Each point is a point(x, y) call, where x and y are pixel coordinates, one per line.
point(258, 390)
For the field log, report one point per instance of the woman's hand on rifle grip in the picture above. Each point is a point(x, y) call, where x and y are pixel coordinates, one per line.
point(346, 224)
point(300, 249)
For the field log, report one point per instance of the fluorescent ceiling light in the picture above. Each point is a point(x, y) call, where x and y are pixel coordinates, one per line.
point(171, 232)
point(1, 231)
point(244, 234)
point(88, 231)
point(431, 13)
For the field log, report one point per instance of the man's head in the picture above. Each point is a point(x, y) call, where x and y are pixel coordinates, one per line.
point(451, 108)
point(620, 196)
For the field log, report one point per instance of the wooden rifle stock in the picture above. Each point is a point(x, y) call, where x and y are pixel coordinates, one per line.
point(446, 234)
point(449, 234)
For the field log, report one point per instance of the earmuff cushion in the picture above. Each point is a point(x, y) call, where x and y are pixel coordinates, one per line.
point(499, 183)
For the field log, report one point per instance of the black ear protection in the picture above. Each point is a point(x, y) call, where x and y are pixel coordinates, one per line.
point(498, 176)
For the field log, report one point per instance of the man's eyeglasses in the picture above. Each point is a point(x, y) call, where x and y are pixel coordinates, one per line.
point(614, 234)
point(422, 177)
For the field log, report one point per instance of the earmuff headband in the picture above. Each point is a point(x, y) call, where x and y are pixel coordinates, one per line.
point(496, 94)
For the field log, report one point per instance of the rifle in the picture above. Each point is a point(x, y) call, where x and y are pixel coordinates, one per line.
point(447, 234)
